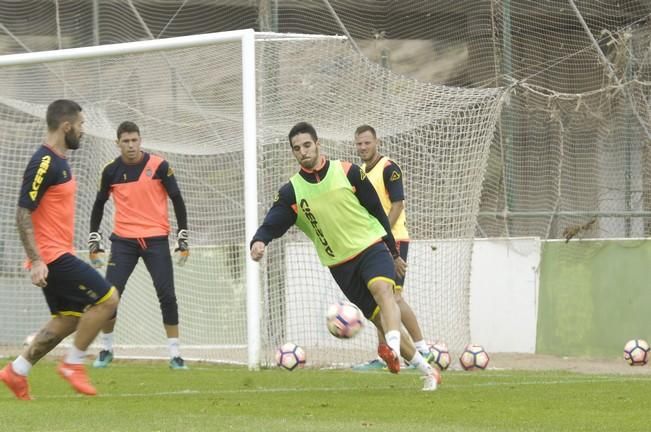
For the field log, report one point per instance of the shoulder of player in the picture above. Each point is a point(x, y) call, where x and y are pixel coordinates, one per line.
point(162, 163)
point(111, 165)
point(390, 164)
point(160, 160)
point(354, 172)
point(286, 194)
point(45, 160)
point(164, 168)
point(45, 151)
point(350, 167)
point(391, 171)
point(148, 156)
point(39, 155)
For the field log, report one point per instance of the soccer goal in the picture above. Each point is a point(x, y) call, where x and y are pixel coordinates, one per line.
point(218, 107)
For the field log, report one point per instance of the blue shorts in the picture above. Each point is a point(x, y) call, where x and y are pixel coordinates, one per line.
point(73, 285)
point(354, 276)
point(403, 249)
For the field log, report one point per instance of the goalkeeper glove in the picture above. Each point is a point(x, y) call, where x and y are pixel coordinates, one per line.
point(182, 250)
point(95, 251)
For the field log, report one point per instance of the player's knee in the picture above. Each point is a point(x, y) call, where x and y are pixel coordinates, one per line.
point(167, 300)
point(386, 293)
point(381, 287)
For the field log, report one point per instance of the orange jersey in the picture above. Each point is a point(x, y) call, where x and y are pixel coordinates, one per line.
point(48, 191)
point(141, 205)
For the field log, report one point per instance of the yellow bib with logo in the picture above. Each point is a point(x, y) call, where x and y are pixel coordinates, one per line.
point(376, 176)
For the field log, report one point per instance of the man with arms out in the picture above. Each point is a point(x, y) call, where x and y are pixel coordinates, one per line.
point(386, 177)
point(140, 184)
point(78, 297)
point(335, 205)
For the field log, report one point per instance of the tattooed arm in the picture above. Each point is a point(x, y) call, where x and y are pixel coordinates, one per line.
point(39, 270)
point(26, 232)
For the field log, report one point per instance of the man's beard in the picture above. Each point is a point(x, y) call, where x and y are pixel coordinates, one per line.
point(72, 141)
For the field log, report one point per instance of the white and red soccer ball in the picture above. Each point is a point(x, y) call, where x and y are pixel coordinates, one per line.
point(440, 355)
point(344, 319)
point(290, 356)
point(636, 352)
point(474, 357)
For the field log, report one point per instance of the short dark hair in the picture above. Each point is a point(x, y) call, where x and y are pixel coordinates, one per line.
point(59, 111)
point(128, 126)
point(302, 127)
point(365, 128)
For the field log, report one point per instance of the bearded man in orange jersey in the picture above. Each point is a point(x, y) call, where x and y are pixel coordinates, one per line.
point(79, 298)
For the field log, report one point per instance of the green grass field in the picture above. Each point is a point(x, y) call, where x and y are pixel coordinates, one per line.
point(143, 396)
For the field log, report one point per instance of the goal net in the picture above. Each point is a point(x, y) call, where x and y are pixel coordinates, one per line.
point(187, 100)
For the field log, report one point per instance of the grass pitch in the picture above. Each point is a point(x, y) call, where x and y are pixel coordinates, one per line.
point(139, 396)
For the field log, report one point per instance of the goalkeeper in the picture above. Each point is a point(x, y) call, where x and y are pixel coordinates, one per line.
point(336, 206)
point(140, 183)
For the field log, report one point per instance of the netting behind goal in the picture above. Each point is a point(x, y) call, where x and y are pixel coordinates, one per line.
point(188, 103)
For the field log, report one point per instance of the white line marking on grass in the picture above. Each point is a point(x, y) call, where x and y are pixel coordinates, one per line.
point(217, 392)
point(190, 392)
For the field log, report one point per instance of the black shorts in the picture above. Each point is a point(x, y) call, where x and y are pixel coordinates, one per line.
point(403, 249)
point(72, 285)
point(154, 251)
point(354, 276)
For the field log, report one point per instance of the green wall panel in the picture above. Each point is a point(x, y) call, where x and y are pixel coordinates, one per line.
point(593, 297)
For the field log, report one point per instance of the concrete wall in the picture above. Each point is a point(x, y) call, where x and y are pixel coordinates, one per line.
point(504, 294)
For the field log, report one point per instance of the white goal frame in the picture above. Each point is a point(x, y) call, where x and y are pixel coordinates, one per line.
point(247, 38)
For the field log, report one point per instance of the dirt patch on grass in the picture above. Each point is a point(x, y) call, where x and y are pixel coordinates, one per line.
point(515, 361)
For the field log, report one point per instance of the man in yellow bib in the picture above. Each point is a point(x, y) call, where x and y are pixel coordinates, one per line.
point(337, 208)
point(387, 179)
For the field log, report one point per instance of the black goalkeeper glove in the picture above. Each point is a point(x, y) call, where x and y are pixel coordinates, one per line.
point(95, 251)
point(182, 250)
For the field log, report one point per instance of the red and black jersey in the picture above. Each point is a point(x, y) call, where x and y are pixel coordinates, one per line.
point(48, 191)
point(140, 194)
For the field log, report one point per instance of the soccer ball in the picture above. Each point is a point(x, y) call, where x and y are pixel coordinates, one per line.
point(290, 356)
point(441, 354)
point(344, 319)
point(636, 352)
point(474, 357)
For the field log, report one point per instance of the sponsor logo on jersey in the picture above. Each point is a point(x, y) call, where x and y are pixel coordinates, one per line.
point(40, 175)
point(394, 176)
point(148, 172)
point(315, 225)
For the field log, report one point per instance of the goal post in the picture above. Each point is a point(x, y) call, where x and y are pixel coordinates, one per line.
point(251, 197)
point(218, 107)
